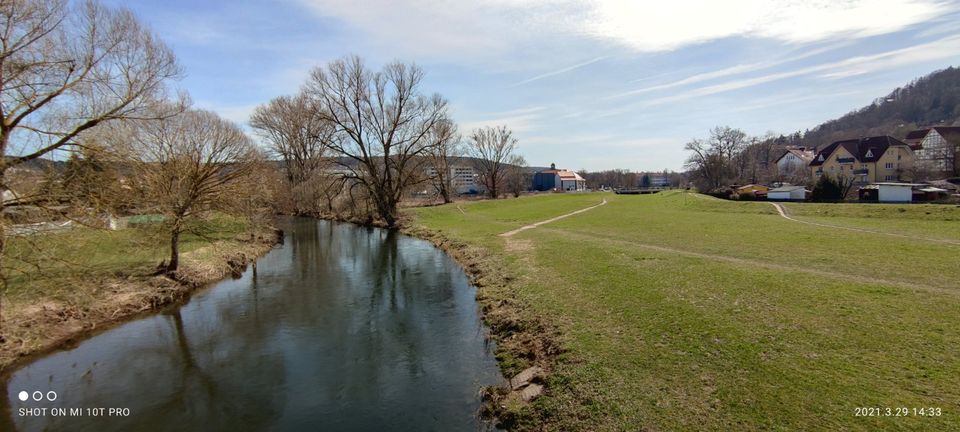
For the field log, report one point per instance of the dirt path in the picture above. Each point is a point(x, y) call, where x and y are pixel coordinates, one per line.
point(818, 272)
point(532, 226)
point(783, 213)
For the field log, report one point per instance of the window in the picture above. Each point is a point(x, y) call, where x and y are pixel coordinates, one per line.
point(889, 178)
point(888, 165)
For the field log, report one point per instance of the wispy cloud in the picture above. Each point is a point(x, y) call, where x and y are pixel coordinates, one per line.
point(475, 31)
point(734, 70)
point(940, 49)
point(518, 120)
point(669, 25)
point(558, 71)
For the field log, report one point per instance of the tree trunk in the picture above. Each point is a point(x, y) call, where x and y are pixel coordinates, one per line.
point(3, 239)
point(174, 251)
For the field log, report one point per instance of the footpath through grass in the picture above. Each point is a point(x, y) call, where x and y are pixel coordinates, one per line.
point(685, 312)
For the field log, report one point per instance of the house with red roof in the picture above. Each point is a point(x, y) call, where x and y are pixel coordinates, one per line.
point(554, 179)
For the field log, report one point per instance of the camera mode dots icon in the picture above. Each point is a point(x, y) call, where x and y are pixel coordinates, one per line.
point(24, 396)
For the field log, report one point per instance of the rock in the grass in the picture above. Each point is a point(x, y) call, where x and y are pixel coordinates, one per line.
point(530, 392)
point(524, 378)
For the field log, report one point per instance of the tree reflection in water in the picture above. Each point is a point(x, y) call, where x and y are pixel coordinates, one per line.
point(341, 328)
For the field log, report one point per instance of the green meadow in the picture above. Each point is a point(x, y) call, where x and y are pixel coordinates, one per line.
point(679, 311)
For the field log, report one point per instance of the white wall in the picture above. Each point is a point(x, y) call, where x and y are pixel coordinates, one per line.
point(895, 193)
point(798, 194)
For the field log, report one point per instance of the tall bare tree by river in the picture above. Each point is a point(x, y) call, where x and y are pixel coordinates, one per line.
point(382, 122)
point(301, 138)
point(492, 149)
point(446, 148)
point(188, 165)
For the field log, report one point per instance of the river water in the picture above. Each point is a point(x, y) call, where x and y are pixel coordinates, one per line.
point(343, 328)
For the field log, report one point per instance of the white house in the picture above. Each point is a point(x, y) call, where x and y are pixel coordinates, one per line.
point(571, 181)
point(787, 193)
point(794, 160)
point(935, 148)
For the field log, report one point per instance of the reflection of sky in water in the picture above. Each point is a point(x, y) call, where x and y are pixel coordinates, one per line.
point(343, 328)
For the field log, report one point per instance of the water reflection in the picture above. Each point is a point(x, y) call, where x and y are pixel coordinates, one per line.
point(342, 328)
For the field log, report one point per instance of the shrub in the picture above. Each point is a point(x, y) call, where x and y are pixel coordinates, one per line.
point(827, 189)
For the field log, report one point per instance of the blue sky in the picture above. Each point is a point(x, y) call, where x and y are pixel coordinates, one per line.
point(583, 83)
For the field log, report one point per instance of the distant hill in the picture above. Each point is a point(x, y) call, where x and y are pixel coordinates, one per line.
point(933, 100)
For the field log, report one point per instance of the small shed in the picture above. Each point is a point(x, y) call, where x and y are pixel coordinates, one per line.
point(787, 193)
point(930, 193)
point(896, 192)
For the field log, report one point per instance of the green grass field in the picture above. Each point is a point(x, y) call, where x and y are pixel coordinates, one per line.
point(683, 312)
point(45, 266)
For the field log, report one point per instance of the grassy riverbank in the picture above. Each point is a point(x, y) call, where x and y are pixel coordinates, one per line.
point(679, 311)
point(65, 284)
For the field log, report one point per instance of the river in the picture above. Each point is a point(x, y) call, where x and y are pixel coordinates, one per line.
point(342, 328)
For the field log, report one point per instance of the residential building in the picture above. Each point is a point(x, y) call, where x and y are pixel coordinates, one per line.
point(936, 150)
point(558, 179)
point(794, 160)
point(865, 160)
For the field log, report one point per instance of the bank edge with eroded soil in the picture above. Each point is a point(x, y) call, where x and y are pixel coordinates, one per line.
point(46, 325)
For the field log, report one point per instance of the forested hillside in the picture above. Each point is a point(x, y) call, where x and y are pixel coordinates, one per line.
point(930, 100)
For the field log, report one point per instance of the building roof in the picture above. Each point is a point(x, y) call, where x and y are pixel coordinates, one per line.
point(867, 149)
point(786, 189)
point(564, 174)
point(900, 184)
point(915, 138)
point(569, 175)
point(805, 155)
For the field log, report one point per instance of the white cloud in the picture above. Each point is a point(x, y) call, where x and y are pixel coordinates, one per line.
point(480, 30)
point(558, 71)
point(676, 23)
point(734, 70)
point(936, 50)
point(518, 120)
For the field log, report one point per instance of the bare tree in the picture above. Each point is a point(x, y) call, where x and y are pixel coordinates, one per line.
point(517, 178)
point(718, 160)
point(492, 149)
point(189, 164)
point(301, 138)
point(382, 123)
point(705, 165)
point(445, 150)
point(66, 69)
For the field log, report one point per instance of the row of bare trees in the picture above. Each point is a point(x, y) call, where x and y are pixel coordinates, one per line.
point(83, 80)
point(729, 156)
point(370, 138)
